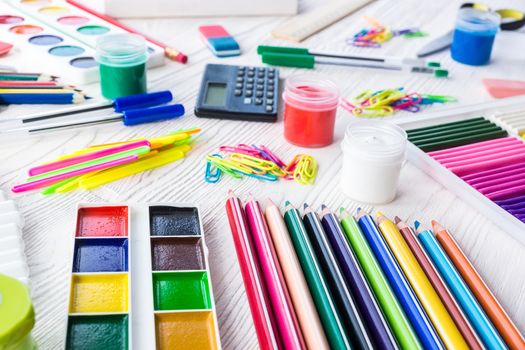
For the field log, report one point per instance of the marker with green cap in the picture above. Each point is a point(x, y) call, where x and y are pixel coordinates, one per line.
point(17, 317)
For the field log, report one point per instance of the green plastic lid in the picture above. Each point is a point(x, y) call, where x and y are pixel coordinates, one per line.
point(17, 317)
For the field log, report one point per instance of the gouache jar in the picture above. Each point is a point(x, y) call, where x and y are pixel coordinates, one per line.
point(310, 106)
point(474, 36)
point(373, 154)
point(122, 59)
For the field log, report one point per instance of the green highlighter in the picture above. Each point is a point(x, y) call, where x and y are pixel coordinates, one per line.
point(332, 324)
point(17, 317)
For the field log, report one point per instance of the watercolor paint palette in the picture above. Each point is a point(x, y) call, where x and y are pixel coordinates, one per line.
point(140, 279)
point(62, 36)
point(455, 179)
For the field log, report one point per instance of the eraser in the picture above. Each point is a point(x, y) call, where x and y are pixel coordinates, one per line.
point(220, 42)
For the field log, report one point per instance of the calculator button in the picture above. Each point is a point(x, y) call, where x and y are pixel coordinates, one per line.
point(240, 73)
point(270, 88)
point(251, 69)
point(269, 108)
point(238, 92)
point(271, 75)
point(249, 86)
point(258, 101)
point(247, 101)
point(249, 93)
point(260, 74)
point(271, 70)
point(240, 79)
point(249, 80)
point(269, 101)
point(251, 74)
point(271, 81)
point(238, 86)
point(260, 87)
point(269, 94)
point(259, 94)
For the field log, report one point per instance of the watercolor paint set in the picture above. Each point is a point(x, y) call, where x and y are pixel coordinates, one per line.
point(140, 279)
point(60, 37)
point(478, 155)
point(12, 257)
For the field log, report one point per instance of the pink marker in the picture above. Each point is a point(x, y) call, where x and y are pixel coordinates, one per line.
point(287, 322)
point(41, 169)
point(33, 185)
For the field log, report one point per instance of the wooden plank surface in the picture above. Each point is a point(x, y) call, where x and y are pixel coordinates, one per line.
point(50, 220)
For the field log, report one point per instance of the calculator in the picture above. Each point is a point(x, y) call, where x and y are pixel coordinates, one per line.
point(239, 93)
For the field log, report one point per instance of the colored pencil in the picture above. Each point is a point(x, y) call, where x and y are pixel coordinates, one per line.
point(438, 136)
point(323, 299)
point(286, 320)
point(46, 98)
point(490, 304)
point(428, 297)
point(430, 129)
point(405, 295)
point(449, 127)
point(309, 321)
point(332, 250)
point(169, 52)
point(10, 76)
point(440, 288)
point(378, 285)
point(263, 319)
point(12, 83)
point(480, 322)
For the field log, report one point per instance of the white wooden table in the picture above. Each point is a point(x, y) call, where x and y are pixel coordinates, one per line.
point(50, 220)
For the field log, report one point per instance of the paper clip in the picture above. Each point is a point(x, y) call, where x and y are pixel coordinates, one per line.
point(265, 177)
point(228, 166)
point(209, 176)
point(367, 112)
point(253, 162)
point(305, 170)
point(272, 155)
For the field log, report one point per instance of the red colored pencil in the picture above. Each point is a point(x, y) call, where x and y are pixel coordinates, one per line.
point(27, 83)
point(441, 290)
point(169, 52)
point(263, 319)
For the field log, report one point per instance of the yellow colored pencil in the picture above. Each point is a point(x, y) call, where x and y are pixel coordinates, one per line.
point(428, 297)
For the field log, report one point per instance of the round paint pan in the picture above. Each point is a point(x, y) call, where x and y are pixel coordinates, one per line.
point(8, 19)
point(26, 29)
point(45, 40)
point(83, 62)
point(54, 10)
point(73, 20)
point(66, 50)
point(93, 30)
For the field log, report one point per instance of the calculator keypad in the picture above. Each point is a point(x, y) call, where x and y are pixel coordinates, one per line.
point(258, 82)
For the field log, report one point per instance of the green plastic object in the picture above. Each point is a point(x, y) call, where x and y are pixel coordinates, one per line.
point(433, 64)
point(441, 73)
point(93, 332)
point(122, 59)
point(317, 284)
point(262, 49)
point(17, 317)
point(288, 60)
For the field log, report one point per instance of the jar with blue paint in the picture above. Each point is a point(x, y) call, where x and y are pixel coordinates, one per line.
point(474, 36)
point(122, 59)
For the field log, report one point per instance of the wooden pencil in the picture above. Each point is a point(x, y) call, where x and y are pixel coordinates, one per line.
point(490, 304)
point(441, 290)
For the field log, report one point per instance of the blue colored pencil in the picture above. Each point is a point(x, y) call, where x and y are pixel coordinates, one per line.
point(402, 289)
point(478, 319)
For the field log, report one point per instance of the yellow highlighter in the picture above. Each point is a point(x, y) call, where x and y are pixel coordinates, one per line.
point(426, 294)
point(146, 163)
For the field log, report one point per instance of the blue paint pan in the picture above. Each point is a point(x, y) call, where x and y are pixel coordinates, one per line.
point(101, 255)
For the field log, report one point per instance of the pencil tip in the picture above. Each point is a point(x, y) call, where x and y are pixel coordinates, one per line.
point(305, 205)
point(397, 220)
point(417, 224)
point(287, 203)
point(323, 207)
point(378, 214)
point(437, 227)
point(269, 202)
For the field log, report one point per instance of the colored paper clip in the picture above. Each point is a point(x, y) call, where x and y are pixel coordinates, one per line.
point(241, 148)
point(266, 177)
point(228, 167)
point(305, 170)
point(253, 162)
point(209, 176)
point(368, 112)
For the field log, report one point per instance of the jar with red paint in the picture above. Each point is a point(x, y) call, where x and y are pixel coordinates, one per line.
point(310, 106)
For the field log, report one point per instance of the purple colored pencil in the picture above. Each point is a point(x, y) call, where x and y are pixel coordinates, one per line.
point(495, 171)
point(511, 201)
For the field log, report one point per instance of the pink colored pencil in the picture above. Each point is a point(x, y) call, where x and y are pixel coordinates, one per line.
point(496, 182)
point(475, 146)
point(451, 157)
point(41, 169)
point(285, 317)
point(496, 176)
point(33, 185)
point(507, 193)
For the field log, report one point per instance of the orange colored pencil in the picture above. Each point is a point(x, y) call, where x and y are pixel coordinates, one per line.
point(488, 302)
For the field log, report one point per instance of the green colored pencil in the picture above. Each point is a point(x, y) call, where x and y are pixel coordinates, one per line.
point(385, 296)
point(323, 300)
point(458, 123)
point(462, 129)
point(446, 135)
point(448, 127)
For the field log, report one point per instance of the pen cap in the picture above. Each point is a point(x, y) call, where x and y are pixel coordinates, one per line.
point(148, 115)
point(142, 100)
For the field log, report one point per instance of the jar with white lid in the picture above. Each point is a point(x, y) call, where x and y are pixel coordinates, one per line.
point(373, 155)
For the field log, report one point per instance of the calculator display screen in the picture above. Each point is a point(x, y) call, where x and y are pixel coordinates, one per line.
point(215, 94)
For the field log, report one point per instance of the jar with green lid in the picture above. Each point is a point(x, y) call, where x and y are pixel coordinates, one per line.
point(17, 317)
point(122, 59)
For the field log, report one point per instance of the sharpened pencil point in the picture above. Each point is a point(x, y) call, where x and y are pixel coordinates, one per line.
point(397, 220)
point(417, 224)
point(341, 210)
point(305, 205)
point(287, 203)
point(323, 207)
point(379, 214)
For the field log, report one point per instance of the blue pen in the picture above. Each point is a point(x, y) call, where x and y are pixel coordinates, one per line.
point(479, 320)
point(404, 293)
